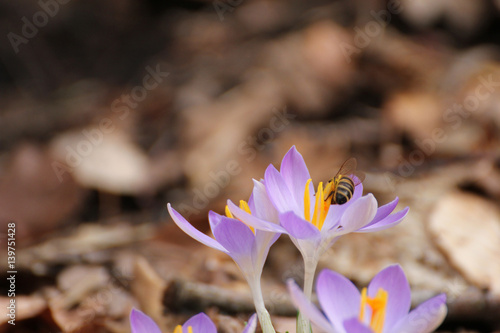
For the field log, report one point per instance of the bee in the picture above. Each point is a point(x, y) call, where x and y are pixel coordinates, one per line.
point(341, 187)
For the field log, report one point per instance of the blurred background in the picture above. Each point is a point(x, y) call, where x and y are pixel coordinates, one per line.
point(110, 109)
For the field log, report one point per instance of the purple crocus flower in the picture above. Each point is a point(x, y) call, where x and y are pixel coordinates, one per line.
point(313, 223)
point(247, 246)
point(200, 323)
point(383, 307)
point(141, 323)
point(310, 220)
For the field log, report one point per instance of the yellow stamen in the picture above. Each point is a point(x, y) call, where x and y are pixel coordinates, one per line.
point(190, 329)
point(321, 206)
point(245, 207)
point(325, 207)
point(178, 329)
point(317, 207)
point(378, 304)
point(307, 202)
point(228, 212)
point(363, 305)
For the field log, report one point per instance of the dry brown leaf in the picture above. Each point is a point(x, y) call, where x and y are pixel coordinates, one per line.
point(263, 15)
point(77, 282)
point(464, 16)
point(467, 228)
point(68, 321)
point(109, 302)
point(87, 296)
point(323, 52)
point(148, 288)
point(104, 158)
point(87, 239)
point(416, 113)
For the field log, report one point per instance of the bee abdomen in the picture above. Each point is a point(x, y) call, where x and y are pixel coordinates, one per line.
point(344, 190)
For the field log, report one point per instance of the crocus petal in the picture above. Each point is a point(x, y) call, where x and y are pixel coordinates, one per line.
point(386, 223)
point(251, 325)
point(307, 308)
point(254, 221)
point(278, 191)
point(295, 174)
point(393, 280)
point(298, 227)
point(264, 208)
point(425, 318)
point(358, 214)
point(200, 323)
point(384, 211)
point(251, 201)
point(213, 219)
point(235, 236)
point(141, 323)
point(192, 231)
point(339, 298)
point(353, 325)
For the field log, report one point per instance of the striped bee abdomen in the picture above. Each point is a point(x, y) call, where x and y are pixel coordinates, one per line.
point(343, 190)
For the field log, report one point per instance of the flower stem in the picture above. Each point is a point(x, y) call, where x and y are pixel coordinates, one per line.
point(309, 271)
point(303, 324)
point(262, 314)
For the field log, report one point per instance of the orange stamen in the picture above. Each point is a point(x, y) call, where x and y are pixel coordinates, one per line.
point(378, 304)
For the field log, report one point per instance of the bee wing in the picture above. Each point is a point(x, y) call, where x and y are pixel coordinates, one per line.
point(348, 168)
point(358, 178)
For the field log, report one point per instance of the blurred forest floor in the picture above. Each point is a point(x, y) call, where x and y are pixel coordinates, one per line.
point(110, 109)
